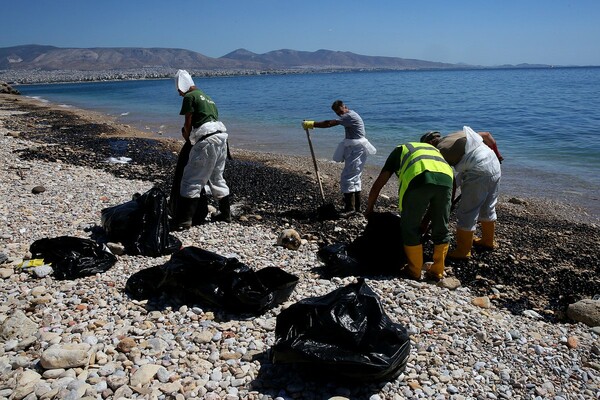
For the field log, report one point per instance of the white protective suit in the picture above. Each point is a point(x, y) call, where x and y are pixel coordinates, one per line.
point(478, 175)
point(207, 158)
point(354, 152)
point(207, 162)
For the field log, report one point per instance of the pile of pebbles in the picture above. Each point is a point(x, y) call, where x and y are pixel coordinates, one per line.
point(86, 339)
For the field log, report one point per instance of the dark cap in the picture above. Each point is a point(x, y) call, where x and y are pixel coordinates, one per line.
point(429, 136)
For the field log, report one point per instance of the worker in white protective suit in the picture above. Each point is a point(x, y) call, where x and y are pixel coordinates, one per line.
point(206, 139)
point(476, 160)
point(353, 151)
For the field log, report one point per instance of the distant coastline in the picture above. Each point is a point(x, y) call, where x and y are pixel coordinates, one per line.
point(33, 64)
point(32, 77)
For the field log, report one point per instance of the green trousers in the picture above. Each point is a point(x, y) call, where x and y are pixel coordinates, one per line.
point(415, 203)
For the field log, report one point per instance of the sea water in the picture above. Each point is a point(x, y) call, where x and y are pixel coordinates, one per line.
point(546, 121)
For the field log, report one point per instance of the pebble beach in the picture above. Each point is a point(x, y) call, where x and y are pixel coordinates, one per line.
point(495, 328)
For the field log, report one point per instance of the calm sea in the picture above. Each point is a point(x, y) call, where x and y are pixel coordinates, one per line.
point(546, 121)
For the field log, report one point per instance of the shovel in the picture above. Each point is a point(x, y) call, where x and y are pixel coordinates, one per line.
point(326, 211)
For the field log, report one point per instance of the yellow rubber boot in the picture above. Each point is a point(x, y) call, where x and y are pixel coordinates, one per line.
point(414, 255)
point(488, 229)
point(464, 242)
point(439, 261)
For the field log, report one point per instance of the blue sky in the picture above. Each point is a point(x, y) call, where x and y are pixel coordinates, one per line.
point(479, 32)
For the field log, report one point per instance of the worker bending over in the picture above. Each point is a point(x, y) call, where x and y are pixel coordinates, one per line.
point(424, 181)
point(206, 139)
point(476, 159)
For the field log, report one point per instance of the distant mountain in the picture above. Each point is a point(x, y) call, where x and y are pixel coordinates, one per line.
point(44, 64)
point(330, 59)
point(524, 65)
point(51, 58)
point(105, 58)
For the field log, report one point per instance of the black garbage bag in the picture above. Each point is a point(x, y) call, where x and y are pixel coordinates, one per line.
point(378, 250)
point(141, 225)
point(344, 334)
point(338, 260)
point(73, 257)
point(196, 275)
point(146, 283)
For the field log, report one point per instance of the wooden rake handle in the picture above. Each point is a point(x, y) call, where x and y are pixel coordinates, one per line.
point(312, 153)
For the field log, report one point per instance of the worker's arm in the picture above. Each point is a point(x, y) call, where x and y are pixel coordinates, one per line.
point(187, 127)
point(319, 124)
point(327, 124)
point(379, 183)
point(489, 140)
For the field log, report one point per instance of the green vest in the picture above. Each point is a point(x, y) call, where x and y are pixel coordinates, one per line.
point(415, 159)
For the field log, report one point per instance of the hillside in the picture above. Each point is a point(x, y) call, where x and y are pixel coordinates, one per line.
point(329, 59)
point(49, 58)
point(99, 59)
point(30, 64)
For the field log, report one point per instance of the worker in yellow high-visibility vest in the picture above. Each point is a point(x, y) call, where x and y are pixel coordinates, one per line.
point(425, 181)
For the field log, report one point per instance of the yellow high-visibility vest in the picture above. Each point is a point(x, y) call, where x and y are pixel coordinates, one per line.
point(415, 159)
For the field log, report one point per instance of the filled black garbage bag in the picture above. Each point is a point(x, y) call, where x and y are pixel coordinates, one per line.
point(344, 334)
point(378, 250)
point(381, 243)
point(145, 284)
point(338, 261)
point(280, 284)
point(196, 275)
point(141, 225)
point(73, 257)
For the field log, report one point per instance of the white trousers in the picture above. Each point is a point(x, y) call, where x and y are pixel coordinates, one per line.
point(478, 200)
point(205, 167)
point(354, 163)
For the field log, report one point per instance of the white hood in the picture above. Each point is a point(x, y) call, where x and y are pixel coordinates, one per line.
point(183, 80)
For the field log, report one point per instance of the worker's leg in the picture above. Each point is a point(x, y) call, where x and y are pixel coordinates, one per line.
point(357, 201)
point(354, 162)
point(348, 202)
point(198, 169)
point(217, 183)
point(186, 209)
point(414, 205)
point(439, 209)
point(414, 258)
point(474, 192)
point(201, 210)
point(464, 243)
point(439, 261)
point(195, 176)
point(224, 210)
point(487, 216)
